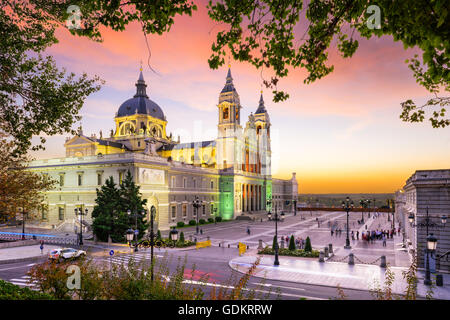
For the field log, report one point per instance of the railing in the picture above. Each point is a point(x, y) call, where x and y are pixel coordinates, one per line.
point(47, 238)
point(340, 209)
point(439, 258)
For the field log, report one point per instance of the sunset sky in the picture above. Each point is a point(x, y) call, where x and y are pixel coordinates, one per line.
point(341, 134)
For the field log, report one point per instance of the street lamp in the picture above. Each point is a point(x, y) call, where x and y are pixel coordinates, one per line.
point(196, 203)
point(431, 239)
point(269, 203)
point(23, 223)
point(79, 213)
point(347, 205)
point(136, 229)
point(431, 247)
point(152, 237)
point(215, 215)
point(173, 235)
point(391, 207)
point(130, 236)
point(362, 204)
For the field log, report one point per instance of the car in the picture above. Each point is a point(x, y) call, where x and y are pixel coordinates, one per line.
point(65, 253)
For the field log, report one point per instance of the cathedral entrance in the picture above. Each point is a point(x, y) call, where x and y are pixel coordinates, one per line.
point(152, 201)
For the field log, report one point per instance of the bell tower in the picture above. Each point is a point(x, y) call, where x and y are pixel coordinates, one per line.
point(262, 123)
point(229, 127)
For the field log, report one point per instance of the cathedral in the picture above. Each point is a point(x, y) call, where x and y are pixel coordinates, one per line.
point(231, 175)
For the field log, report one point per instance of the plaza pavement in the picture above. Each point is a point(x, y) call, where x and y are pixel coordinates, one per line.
point(335, 271)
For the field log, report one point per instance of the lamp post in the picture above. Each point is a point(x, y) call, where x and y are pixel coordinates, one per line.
point(215, 215)
point(136, 229)
point(391, 207)
point(196, 204)
point(269, 203)
point(431, 239)
point(130, 236)
point(152, 238)
point(347, 205)
point(79, 213)
point(173, 235)
point(362, 204)
point(23, 223)
point(295, 207)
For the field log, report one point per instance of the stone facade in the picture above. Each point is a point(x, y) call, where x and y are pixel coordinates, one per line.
point(426, 190)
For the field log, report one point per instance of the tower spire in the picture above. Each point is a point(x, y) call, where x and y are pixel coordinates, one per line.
point(140, 85)
point(261, 107)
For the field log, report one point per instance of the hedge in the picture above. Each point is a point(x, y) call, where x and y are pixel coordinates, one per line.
point(293, 253)
point(180, 224)
point(192, 222)
point(202, 221)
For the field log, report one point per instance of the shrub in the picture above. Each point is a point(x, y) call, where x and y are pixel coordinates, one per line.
point(308, 247)
point(180, 224)
point(192, 222)
point(181, 237)
point(275, 242)
point(292, 243)
point(9, 291)
point(210, 220)
point(218, 219)
point(158, 235)
point(202, 221)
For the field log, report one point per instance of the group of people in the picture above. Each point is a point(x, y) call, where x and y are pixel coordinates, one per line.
point(372, 235)
point(299, 241)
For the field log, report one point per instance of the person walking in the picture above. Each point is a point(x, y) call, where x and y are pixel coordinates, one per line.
point(42, 246)
point(384, 240)
point(353, 235)
point(357, 235)
point(331, 232)
point(248, 230)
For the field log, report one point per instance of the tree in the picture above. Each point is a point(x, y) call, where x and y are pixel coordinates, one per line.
point(36, 97)
point(110, 216)
point(105, 211)
point(275, 243)
point(292, 243)
point(181, 237)
point(131, 199)
point(20, 188)
point(308, 247)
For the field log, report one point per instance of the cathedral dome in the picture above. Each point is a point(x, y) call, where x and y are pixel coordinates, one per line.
point(140, 103)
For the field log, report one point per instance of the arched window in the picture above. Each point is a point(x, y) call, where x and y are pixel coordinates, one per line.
point(126, 129)
point(258, 129)
point(225, 113)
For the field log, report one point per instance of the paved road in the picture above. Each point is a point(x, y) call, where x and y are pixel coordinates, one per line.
point(211, 262)
point(214, 261)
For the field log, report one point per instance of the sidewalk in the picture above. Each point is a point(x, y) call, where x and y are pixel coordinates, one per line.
point(25, 253)
point(332, 274)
